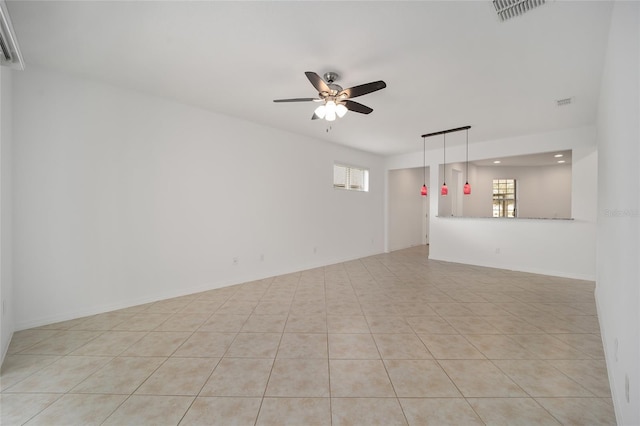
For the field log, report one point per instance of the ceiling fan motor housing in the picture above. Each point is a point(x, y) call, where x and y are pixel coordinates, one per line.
point(331, 77)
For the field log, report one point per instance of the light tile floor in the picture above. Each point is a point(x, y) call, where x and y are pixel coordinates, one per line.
point(392, 339)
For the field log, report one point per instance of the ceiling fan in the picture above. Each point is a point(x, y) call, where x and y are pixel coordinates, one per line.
point(336, 101)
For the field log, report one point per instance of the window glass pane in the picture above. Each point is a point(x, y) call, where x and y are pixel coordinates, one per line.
point(351, 178)
point(496, 209)
point(356, 179)
point(339, 176)
point(504, 198)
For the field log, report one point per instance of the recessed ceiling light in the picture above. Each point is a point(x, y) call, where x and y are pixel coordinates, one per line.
point(560, 161)
point(496, 162)
point(558, 155)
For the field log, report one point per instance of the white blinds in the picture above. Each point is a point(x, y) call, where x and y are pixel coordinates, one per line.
point(351, 178)
point(340, 176)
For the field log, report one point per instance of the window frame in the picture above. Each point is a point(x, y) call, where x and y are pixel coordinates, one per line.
point(504, 198)
point(348, 181)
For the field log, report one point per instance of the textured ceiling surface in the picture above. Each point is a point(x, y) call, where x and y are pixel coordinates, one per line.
point(446, 64)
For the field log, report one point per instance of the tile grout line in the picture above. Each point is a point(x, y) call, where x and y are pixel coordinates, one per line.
point(161, 364)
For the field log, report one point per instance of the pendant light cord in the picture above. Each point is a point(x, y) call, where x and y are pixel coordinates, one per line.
point(444, 158)
point(424, 162)
point(467, 174)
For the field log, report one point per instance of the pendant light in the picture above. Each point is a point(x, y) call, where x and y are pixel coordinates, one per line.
point(423, 191)
point(444, 190)
point(467, 188)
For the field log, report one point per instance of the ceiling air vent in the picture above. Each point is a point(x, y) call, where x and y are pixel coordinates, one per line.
point(507, 9)
point(563, 102)
point(9, 51)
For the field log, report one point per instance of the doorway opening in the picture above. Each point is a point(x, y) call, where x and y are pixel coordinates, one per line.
point(408, 210)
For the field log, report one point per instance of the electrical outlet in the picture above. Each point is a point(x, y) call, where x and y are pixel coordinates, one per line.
point(235, 261)
point(497, 250)
point(315, 250)
point(262, 257)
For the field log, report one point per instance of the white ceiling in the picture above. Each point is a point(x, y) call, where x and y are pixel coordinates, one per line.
point(446, 64)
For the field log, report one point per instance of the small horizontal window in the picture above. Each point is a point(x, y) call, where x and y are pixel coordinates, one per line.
point(350, 178)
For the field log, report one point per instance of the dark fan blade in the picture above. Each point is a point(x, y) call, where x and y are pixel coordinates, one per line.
point(357, 107)
point(363, 89)
point(315, 117)
point(317, 82)
point(295, 100)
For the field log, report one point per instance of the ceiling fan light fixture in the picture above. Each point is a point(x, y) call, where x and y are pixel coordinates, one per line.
point(321, 111)
point(330, 111)
point(341, 110)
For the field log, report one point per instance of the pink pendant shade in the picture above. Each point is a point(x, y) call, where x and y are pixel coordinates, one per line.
point(423, 191)
point(444, 190)
point(466, 189)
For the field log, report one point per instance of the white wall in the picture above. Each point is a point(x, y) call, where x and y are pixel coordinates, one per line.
point(542, 192)
point(473, 204)
point(560, 248)
point(455, 195)
point(406, 216)
point(122, 198)
point(6, 279)
point(618, 236)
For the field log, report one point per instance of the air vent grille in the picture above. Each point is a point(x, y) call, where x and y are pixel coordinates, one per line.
point(9, 51)
point(565, 101)
point(507, 9)
point(6, 51)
